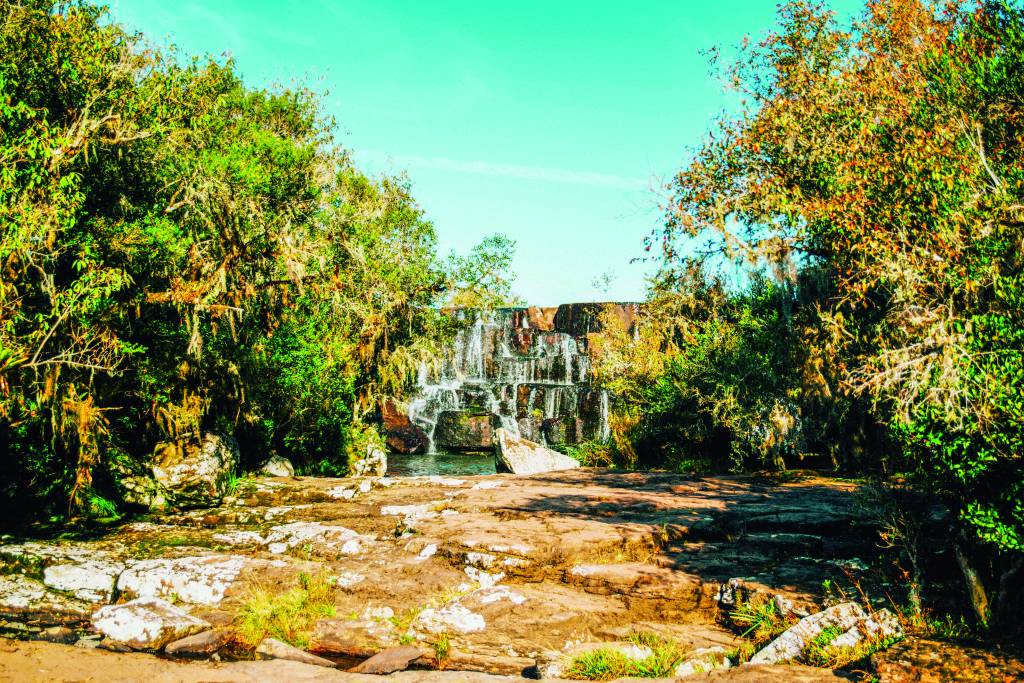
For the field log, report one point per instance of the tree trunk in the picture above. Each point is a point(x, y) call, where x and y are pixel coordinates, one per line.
point(975, 589)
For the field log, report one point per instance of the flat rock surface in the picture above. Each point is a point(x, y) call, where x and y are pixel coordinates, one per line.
point(506, 567)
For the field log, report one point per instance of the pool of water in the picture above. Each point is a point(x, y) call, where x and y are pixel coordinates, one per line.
point(440, 463)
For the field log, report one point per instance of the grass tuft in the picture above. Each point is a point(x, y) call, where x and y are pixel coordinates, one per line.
point(287, 616)
point(759, 619)
point(606, 664)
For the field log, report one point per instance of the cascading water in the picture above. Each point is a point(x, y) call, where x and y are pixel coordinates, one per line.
point(525, 370)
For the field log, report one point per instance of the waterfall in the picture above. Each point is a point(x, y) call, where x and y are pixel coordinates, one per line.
point(524, 370)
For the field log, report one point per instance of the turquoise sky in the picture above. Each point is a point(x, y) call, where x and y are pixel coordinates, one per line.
point(555, 123)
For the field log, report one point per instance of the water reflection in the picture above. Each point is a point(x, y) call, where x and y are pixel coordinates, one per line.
point(440, 463)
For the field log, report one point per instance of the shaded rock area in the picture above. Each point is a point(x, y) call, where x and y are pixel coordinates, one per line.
point(500, 568)
point(187, 473)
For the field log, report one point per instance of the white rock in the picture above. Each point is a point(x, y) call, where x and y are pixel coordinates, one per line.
point(484, 579)
point(703, 660)
point(276, 466)
point(494, 594)
point(428, 551)
point(197, 580)
point(481, 560)
point(365, 487)
point(848, 616)
point(347, 579)
point(485, 485)
point(371, 613)
point(520, 456)
point(450, 618)
point(146, 623)
point(446, 481)
point(240, 538)
point(196, 477)
point(341, 492)
point(337, 538)
point(20, 593)
point(91, 580)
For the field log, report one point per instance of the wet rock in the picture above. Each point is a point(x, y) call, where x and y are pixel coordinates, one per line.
point(199, 645)
point(195, 475)
point(855, 623)
point(520, 456)
point(90, 580)
point(703, 660)
point(197, 580)
point(271, 648)
point(146, 623)
point(389, 661)
point(460, 430)
point(401, 435)
point(276, 466)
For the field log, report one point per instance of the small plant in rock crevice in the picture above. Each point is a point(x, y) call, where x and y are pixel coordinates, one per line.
point(442, 650)
point(609, 663)
point(821, 653)
point(759, 619)
point(288, 616)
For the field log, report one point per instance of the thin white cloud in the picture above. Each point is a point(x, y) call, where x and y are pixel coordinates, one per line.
point(540, 173)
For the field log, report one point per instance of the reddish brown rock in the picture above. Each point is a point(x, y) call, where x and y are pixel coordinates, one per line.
point(917, 660)
point(582, 319)
point(401, 435)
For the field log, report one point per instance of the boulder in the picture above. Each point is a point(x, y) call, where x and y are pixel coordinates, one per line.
point(146, 623)
point(401, 435)
point(703, 660)
point(271, 648)
point(389, 661)
point(199, 645)
point(458, 430)
point(856, 624)
point(520, 456)
point(276, 466)
point(373, 464)
point(190, 475)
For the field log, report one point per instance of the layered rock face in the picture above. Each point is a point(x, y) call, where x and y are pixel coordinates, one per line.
point(525, 370)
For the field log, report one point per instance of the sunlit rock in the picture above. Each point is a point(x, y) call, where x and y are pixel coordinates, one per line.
point(146, 623)
point(520, 456)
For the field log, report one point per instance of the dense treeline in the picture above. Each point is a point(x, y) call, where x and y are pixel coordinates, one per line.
point(869, 193)
point(180, 252)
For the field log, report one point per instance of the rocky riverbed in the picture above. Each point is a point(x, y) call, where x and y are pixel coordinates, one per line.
point(499, 575)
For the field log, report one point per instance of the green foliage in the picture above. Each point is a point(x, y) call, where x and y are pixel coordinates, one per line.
point(289, 616)
point(820, 651)
point(183, 253)
point(759, 619)
point(605, 664)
